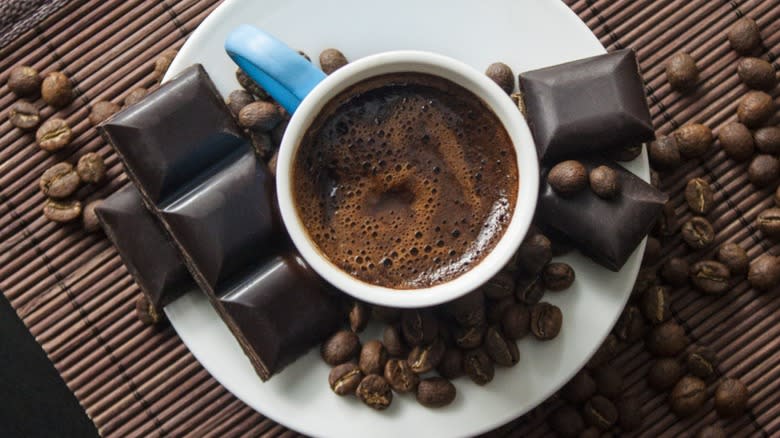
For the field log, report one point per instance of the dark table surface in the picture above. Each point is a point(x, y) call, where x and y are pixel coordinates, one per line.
point(34, 401)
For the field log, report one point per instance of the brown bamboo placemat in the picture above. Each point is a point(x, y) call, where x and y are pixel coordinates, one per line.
point(72, 291)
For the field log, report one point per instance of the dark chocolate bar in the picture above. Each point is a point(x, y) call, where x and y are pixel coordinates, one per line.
point(587, 106)
point(607, 231)
point(145, 249)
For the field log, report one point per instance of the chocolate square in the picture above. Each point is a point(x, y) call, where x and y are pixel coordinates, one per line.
point(587, 106)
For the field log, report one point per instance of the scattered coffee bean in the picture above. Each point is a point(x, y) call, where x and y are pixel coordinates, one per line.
point(664, 153)
point(702, 362)
point(764, 170)
point(534, 253)
point(688, 396)
point(630, 327)
point(469, 309)
point(56, 89)
point(59, 181)
point(387, 315)
point(451, 365)
point(393, 341)
point(469, 337)
point(664, 373)
point(609, 381)
point(756, 73)
point(419, 326)
point(566, 422)
point(516, 321)
point(767, 140)
point(731, 397)
point(238, 99)
point(693, 140)
point(546, 321)
point(24, 81)
point(502, 75)
point(503, 351)
point(768, 222)
point(261, 143)
point(90, 219)
point(710, 277)
point(345, 378)
point(698, 232)
point(652, 251)
point(500, 286)
point(341, 347)
point(580, 388)
point(675, 271)
point(744, 36)
point(91, 168)
point(655, 305)
point(425, 358)
point(764, 272)
point(54, 134)
point(375, 392)
point(666, 340)
point(400, 376)
point(24, 115)
point(645, 279)
point(135, 95)
point(260, 116)
point(358, 317)
point(557, 276)
point(494, 310)
point(61, 211)
point(332, 60)
point(755, 108)
point(435, 392)
point(734, 257)
point(606, 351)
point(667, 221)
point(529, 289)
point(628, 153)
point(629, 414)
point(600, 412)
point(681, 71)
point(736, 141)
point(373, 357)
point(568, 177)
point(145, 312)
point(478, 366)
point(162, 63)
point(604, 182)
point(102, 110)
point(711, 432)
point(251, 86)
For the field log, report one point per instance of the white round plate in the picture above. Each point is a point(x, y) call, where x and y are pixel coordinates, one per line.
point(526, 34)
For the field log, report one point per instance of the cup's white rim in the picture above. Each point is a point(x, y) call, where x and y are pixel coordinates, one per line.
point(474, 81)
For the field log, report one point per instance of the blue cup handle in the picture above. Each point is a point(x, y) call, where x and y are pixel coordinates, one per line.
point(286, 75)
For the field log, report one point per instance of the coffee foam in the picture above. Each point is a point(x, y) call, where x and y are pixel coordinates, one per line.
point(405, 180)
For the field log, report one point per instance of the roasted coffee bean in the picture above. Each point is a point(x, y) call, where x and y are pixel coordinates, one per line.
point(503, 351)
point(652, 251)
point(666, 340)
point(731, 398)
point(568, 177)
point(59, 181)
point(478, 366)
point(145, 312)
point(90, 219)
point(755, 108)
point(61, 211)
point(358, 317)
point(272, 163)
point(251, 86)
point(764, 272)
point(102, 110)
point(606, 351)
point(675, 271)
point(664, 373)
point(546, 321)
point(628, 153)
point(764, 170)
point(345, 378)
point(425, 358)
point(469, 309)
point(600, 412)
point(341, 347)
point(767, 140)
point(710, 277)
point(375, 392)
point(557, 276)
point(664, 153)
point(162, 63)
point(609, 381)
point(259, 116)
point(667, 221)
point(24, 80)
point(332, 60)
point(419, 326)
point(502, 75)
point(655, 305)
point(56, 89)
point(646, 278)
point(693, 140)
point(135, 95)
point(681, 71)
point(400, 376)
point(734, 257)
point(451, 365)
point(756, 73)
point(655, 179)
point(688, 396)
point(744, 36)
point(91, 168)
point(566, 422)
point(435, 392)
point(373, 357)
point(24, 115)
point(604, 182)
point(768, 222)
point(54, 134)
point(702, 362)
point(516, 321)
point(500, 286)
point(698, 232)
point(534, 253)
point(393, 341)
point(469, 337)
point(580, 388)
point(630, 327)
point(261, 143)
point(736, 141)
point(711, 432)
point(529, 289)
point(238, 99)
point(629, 414)
point(495, 309)
point(591, 432)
